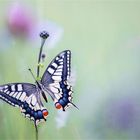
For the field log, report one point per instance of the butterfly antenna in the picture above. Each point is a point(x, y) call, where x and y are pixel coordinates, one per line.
point(36, 130)
point(32, 74)
point(44, 35)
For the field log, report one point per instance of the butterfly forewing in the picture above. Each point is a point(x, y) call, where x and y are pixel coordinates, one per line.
point(55, 80)
point(27, 97)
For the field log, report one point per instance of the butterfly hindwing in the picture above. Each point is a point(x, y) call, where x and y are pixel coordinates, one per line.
point(55, 80)
point(27, 97)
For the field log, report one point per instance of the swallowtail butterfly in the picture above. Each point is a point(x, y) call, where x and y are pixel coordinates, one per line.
point(54, 81)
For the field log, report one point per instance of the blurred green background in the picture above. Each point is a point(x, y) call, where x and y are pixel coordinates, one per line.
point(104, 37)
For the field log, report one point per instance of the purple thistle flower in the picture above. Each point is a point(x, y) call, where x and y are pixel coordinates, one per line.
point(20, 22)
point(122, 113)
point(23, 24)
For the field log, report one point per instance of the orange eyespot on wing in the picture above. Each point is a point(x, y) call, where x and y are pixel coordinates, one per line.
point(45, 113)
point(58, 105)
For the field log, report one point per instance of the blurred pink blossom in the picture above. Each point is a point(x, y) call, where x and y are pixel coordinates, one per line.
point(20, 21)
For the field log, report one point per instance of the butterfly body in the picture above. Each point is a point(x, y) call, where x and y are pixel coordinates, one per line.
point(54, 82)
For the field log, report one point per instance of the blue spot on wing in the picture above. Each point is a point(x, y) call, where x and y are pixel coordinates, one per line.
point(64, 99)
point(38, 114)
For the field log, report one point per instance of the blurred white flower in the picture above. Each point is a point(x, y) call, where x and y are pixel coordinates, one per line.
point(55, 32)
point(61, 118)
